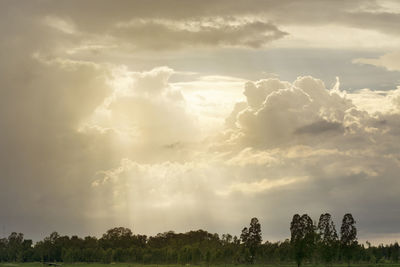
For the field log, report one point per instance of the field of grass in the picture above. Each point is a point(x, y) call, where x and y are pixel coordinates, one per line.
point(191, 265)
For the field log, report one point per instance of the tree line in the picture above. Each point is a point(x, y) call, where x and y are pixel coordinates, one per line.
point(309, 243)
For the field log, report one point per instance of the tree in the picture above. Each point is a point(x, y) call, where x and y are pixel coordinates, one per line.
point(67, 255)
point(244, 236)
point(107, 256)
point(395, 252)
point(327, 238)
point(302, 237)
point(251, 238)
point(226, 239)
point(348, 236)
point(118, 237)
point(14, 244)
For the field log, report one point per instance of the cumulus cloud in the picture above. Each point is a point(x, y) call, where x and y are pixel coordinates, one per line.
point(280, 112)
point(148, 114)
point(305, 113)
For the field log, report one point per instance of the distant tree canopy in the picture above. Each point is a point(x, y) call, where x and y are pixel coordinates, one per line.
point(308, 243)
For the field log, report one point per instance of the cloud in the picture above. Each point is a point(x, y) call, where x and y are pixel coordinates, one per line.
point(130, 26)
point(355, 13)
point(389, 61)
point(304, 113)
point(261, 186)
point(320, 127)
point(288, 110)
point(43, 103)
point(374, 101)
point(147, 113)
point(209, 32)
point(256, 93)
point(140, 30)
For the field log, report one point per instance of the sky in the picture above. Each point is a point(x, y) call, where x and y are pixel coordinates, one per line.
point(184, 115)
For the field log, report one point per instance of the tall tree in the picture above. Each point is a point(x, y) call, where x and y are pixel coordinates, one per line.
point(302, 237)
point(348, 236)
point(327, 238)
point(252, 239)
point(14, 246)
point(395, 252)
point(244, 236)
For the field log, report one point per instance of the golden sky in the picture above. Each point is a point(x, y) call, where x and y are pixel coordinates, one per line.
point(180, 115)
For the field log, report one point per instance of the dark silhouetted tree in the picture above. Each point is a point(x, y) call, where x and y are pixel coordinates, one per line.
point(201, 247)
point(395, 252)
point(348, 236)
point(251, 238)
point(302, 237)
point(244, 235)
point(15, 246)
point(327, 238)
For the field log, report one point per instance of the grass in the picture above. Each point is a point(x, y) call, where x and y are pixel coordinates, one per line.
point(38, 264)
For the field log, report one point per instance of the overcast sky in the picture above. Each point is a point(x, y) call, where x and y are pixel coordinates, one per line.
point(180, 115)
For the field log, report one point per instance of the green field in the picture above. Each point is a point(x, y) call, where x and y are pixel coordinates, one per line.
point(177, 265)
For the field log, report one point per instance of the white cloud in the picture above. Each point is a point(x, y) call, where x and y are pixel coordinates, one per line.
point(288, 111)
point(60, 24)
point(374, 101)
point(155, 109)
point(262, 185)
